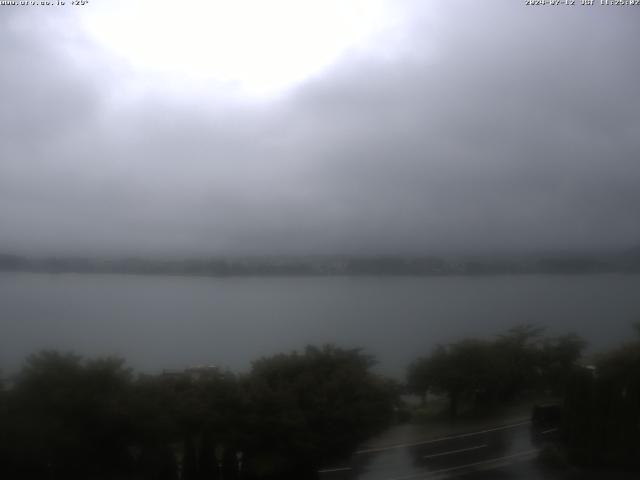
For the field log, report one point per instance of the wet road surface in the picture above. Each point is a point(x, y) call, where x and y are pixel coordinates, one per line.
point(504, 451)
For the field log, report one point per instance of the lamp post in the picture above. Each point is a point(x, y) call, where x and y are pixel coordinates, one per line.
point(178, 453)
point(220, 458)
point(239, 460)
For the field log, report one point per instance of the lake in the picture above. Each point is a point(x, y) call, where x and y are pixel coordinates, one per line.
point(160, 322)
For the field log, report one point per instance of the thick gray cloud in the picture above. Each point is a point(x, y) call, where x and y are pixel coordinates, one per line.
point(490, 126)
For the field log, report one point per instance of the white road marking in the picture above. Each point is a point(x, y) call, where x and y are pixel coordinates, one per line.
point(499, 460)
point(551, 430)
point(330, 470)
point(451, 452)
point(441, 439)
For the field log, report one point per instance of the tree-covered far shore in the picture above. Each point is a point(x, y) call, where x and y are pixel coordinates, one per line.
point(627, 261)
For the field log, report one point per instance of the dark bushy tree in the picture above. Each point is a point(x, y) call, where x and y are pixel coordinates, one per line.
point(327, 397)
point(485, 373)
point(69, 418)
point(602, 410)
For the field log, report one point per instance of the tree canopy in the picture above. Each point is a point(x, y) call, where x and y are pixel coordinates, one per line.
point(74, 418)
point(487, 372)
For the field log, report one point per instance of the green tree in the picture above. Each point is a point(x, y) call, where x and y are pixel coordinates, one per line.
point(69, 417)
point(602, 420)
point(419, 378)
point(484, 373)
point(559, 361)
point(463, 371)
point(313, 406)
point(519, 358)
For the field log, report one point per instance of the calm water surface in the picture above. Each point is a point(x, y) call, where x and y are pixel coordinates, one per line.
point(170, 322)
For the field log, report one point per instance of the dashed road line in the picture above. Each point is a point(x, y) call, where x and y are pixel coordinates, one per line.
point(332, 470)
point(441, 439)
point(451, 452)
point(499, 461)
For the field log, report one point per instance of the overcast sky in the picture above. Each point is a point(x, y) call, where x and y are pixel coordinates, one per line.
point(318, 127)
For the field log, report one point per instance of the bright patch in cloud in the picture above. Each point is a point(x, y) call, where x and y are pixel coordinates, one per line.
point(260, 46)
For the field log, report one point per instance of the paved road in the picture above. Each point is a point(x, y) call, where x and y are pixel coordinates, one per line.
point(503, 451)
